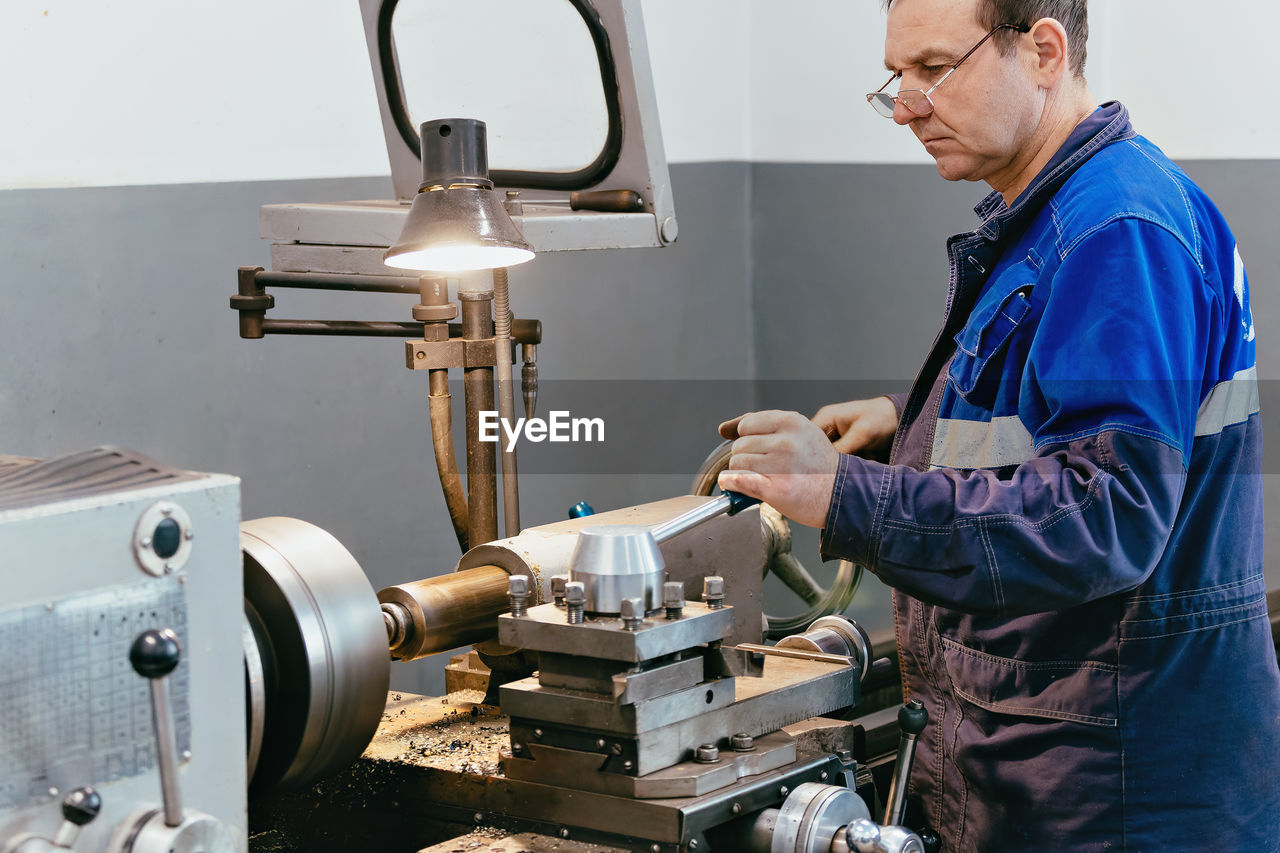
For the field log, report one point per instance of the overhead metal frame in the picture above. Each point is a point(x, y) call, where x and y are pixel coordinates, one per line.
point(350, 237)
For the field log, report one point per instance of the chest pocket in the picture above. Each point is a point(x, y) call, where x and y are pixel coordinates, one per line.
point(977, 368)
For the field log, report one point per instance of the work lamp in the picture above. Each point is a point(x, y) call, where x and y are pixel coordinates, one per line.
point(456, 221)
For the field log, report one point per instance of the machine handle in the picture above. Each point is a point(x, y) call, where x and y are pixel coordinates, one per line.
point(607, 201)
point(154, 655)
point(81, 806)
point(738, 502)
point(912, 719)
point(78, 808)
point(729, 503)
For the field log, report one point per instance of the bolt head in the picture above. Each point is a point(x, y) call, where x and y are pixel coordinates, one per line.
point(743, 742)
point(712, 587)
point(708, 753)
point(575, 593)
point(673, 594)
point(557, 585)
point(633, 609)
point(518, 585)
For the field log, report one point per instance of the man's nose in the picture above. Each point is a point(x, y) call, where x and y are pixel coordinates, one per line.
point(902, 115)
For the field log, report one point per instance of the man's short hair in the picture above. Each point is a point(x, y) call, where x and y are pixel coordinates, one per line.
point(1072, 14)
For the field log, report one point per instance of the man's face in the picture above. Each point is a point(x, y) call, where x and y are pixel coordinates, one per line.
point(986, 112)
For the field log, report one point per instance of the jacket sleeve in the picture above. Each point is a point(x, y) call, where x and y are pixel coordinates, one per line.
point(1109, 392)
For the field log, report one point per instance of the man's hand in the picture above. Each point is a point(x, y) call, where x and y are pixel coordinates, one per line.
point(862, 427)
point(785, 460)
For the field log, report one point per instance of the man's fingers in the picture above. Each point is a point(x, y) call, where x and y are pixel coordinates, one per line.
point(748, 483)
point(825, 420)
point(850, 442)
point(729, 429)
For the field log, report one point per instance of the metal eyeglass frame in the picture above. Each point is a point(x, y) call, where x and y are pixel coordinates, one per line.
point(884, 103)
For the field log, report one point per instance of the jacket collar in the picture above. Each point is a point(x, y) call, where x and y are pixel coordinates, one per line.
point(1108, 123)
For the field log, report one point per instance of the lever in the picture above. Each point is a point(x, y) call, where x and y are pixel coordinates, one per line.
point(729, 503)
point(912, 718)
point(154, 655)
point(79, 807)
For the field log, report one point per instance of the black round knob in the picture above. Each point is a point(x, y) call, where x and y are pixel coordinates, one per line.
point(155, 653)
point(931, 840)
point(81, 806)
point(913, 717)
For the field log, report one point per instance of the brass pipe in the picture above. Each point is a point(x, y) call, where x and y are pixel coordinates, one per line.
point(482, 475)
point(441, 613)
point(441, 410)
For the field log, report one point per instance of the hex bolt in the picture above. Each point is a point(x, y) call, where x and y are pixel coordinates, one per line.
point(632, 614)
point(713, 591)
point(518, 594)
point(557, 588)
point(575, 600)
point(673, 599)
point(742, 742)
point(708, 753)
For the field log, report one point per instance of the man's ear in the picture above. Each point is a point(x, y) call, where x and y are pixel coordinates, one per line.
point(1052, 60)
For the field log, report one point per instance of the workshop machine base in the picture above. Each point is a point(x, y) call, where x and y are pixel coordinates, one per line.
point(433, 779)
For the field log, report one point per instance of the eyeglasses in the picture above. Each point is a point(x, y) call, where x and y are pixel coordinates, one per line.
point(917, 100)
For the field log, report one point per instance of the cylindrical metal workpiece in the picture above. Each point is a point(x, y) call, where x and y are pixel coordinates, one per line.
point(446, 612)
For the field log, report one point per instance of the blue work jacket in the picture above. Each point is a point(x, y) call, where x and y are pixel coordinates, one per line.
point(1072, 523)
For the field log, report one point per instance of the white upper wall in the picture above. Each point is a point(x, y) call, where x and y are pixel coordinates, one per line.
point(226, 90)
point(1193, 77)
point(152, 91)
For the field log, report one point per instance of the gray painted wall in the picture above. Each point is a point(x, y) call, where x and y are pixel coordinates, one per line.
point(116, 330)
point(819, 282)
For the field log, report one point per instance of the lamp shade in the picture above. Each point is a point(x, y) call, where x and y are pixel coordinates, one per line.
point(456, 221)
point(463, 228)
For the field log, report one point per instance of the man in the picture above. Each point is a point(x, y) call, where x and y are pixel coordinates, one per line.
point(1072, 514)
